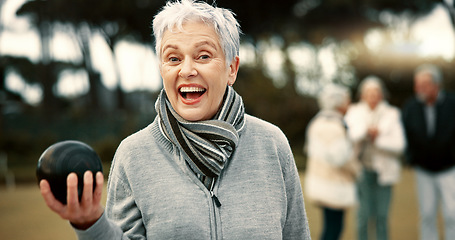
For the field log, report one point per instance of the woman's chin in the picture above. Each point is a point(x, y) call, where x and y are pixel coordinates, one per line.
point(194, 114)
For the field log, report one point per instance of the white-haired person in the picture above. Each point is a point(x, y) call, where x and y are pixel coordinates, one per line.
point(429, 121)
point(375, 127)
point(332, 168)
point(203, 169)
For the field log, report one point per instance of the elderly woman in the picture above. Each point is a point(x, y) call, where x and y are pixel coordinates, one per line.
point(331, 169)
point(375, 126)
point(203, 169)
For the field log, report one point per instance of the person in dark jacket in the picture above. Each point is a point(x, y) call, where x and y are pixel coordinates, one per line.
point(429, 121)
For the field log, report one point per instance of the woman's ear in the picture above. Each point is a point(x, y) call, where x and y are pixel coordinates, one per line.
point(233, 70)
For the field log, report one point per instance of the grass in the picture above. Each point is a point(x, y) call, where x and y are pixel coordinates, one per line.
point(24, 215)
point(403, 216)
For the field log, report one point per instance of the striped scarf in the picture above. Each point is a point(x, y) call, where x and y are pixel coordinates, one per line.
point(206, 145)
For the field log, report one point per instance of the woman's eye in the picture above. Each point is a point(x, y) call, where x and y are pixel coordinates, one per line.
point(173, 59)
point(204, 57)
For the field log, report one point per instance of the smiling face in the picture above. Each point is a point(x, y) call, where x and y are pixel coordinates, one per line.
point(194, 70)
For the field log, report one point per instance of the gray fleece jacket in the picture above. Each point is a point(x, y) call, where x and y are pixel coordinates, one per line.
point(152, 193)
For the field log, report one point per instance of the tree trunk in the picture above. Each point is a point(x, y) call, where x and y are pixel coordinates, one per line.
point(84, 33)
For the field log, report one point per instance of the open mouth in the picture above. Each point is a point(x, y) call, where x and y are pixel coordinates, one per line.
point(191, 93)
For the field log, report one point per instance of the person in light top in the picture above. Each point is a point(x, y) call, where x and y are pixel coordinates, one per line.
point(375, 128)
point(332, 168)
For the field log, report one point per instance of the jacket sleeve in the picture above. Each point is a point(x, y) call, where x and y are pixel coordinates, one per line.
point(122, 219)
point(391, 136)
point(102, 229)
point(296, 224)
point(357, 127)
point(406, 116)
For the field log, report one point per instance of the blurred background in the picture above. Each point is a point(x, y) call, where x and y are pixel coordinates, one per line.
point(86, 70)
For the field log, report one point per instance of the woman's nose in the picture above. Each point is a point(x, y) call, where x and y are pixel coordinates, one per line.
point(188, 69)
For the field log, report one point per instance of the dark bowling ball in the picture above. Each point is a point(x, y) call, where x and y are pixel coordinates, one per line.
point(63, 158)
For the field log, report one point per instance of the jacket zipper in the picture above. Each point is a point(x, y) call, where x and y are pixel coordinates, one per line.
point(216, 204)
point(214, 197)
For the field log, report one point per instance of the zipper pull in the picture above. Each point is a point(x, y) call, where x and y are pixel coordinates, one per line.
point(217, 201)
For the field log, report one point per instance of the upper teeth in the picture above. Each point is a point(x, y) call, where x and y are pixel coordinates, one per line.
point(191, 89)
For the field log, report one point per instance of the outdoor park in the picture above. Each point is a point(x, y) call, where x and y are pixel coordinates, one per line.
point(86, 70)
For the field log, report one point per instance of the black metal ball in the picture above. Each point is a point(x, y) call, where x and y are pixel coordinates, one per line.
point(63, 158)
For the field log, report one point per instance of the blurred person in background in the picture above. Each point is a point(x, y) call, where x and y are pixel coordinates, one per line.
point(331, 167)
point(429, 121)
point(376, 129)
point(203, 169)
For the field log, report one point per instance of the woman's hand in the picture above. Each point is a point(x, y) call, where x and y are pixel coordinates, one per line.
point(372, 133)
point(83, 214)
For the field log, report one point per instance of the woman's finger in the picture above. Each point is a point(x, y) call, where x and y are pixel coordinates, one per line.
point(49, 198)
point(87, 193)
point(99, 188)
point(72, 197)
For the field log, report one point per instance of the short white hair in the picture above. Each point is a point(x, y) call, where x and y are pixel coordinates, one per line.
point(333, 96)
point(176, 13)
point(373, 81)
point(431, 69)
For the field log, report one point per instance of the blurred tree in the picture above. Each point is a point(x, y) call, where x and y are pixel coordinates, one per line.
point(126, 20)
point(118, 20)
point(314, 22)
point(41, 13)
point(293, 21)
point(450, 5)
